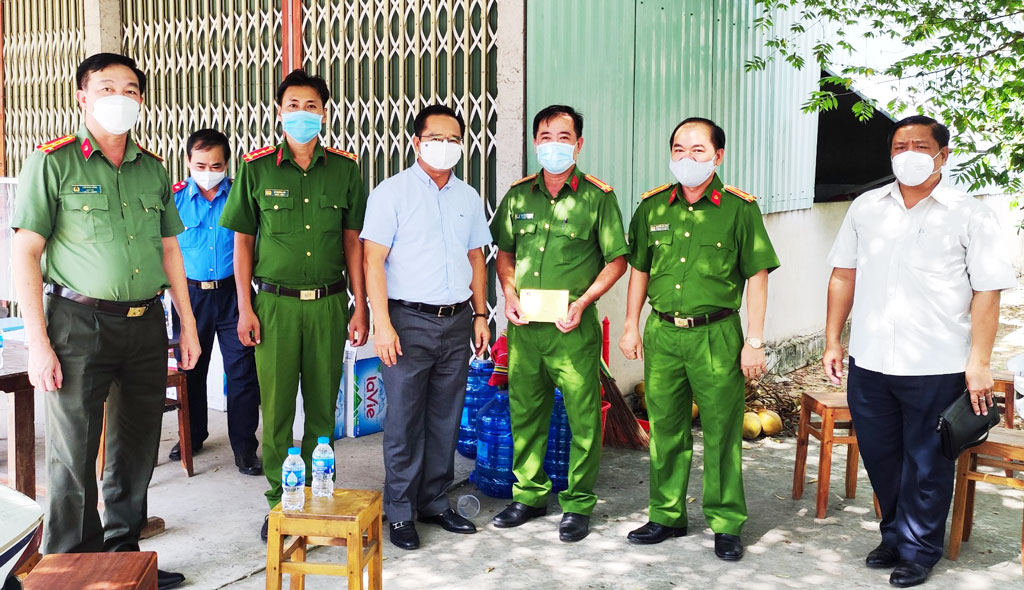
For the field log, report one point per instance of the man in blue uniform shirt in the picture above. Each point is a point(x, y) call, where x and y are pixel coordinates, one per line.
point(207, 249)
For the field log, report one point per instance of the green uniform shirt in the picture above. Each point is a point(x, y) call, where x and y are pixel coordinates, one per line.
point(699, 255)
point(103, 225)
point(560, 242)
point(297, 215)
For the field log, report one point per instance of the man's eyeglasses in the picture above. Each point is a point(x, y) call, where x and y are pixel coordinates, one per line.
point(457, 140)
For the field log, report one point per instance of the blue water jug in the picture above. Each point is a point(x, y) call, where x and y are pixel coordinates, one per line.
point(493, 474)
point(478, 393)
point(556, 461)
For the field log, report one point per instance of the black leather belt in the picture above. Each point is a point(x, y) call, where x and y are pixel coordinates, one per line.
point(304, 294)
point(208, 285)
point(693, 322)
point(129, 309)
point(441, 311)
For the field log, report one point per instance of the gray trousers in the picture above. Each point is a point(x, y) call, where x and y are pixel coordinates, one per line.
point(97, 350)
point(425, 390)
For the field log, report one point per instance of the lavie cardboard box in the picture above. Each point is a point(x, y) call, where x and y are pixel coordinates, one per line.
point(362, 388)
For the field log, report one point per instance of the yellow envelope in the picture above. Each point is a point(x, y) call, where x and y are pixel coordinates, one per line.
point(544, 305)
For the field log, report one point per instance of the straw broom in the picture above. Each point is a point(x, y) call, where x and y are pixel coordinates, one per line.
point(621, 429)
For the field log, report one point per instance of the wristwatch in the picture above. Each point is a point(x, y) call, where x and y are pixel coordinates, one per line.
point(755, 343)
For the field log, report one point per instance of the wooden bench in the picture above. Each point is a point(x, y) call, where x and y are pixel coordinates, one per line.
point(130, 570)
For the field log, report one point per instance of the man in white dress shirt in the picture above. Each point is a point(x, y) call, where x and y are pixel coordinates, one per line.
point(921, 265)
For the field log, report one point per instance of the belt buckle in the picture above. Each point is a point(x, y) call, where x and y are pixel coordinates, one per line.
point(308, 294)
point(683, 322)
point(441, 308)
point(207, 285)
point(134, 312)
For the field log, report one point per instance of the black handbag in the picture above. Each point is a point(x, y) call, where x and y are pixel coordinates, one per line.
point(961, 429)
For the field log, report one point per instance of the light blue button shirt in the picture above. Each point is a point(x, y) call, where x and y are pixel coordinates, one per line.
point(426, 265)
point(206, 247)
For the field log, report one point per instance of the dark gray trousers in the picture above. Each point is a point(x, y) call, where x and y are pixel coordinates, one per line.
point(425, 390)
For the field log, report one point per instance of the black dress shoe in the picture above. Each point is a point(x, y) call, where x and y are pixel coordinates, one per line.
point(167, 580)
point(175, 454)
point(264, 528)
point(728, 547)
point(516, 514)
point(451, 522)
point(908, 573)
point(652, 533)
point(574, 527)
point(883, 557)
point(403, 535)
point(248, 463)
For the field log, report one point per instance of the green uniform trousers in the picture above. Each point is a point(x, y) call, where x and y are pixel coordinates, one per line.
point(680, 364)
point(298, 338)
point(120, 361)
point(540, 358)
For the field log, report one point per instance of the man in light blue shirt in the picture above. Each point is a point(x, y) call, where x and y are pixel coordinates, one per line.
point(208, 249)
point(427, 280)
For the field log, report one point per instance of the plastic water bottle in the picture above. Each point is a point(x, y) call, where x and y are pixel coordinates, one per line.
point(478, 393)
point(323, 468)
point(293, 480)
point(556, 461)
point(493, 475)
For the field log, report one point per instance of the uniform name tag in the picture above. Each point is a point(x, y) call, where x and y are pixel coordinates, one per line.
point(87, 189)
point(275, 192)
point(522, 216)
point(660, 227)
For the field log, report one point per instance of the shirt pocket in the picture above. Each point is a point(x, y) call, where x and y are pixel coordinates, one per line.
point(152, 213)
point(332, 211)
point(192, 237)
point(716, 255)
point(276, 215)
point(660, 245)
point(525, 233)
point(86, 218)
point(937, 252)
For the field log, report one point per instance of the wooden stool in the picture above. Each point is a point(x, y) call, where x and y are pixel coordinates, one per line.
point(835, 413)
point(350, 518)
point(130, 570)
point(1004, 395)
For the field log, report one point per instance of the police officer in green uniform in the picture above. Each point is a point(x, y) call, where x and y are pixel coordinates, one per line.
point(693, 244)
point(558, 230)
point(98, 210)
point(297, 209)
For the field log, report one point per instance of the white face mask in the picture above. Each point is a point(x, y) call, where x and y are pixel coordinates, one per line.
point(443, 155)
point(691, 173)
point(207, 179)
point(116, 113)
point(913, 168)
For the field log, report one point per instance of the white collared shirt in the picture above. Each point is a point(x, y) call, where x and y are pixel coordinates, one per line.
point(917, 270)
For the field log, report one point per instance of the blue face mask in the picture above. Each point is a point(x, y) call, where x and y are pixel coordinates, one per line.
point(556, 157)
point(302, 126)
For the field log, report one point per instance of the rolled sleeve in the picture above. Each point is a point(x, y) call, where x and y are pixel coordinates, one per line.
point(501, 227)
point(639, 256)
point(610, 235)
point(844, 249)
point(35, 207)
point(480, 235)
point(241, 212)
point(988, 265)
point(381, 220)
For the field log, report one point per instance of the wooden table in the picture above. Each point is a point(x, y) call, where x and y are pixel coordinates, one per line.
point(21, 416)
point(129, 570)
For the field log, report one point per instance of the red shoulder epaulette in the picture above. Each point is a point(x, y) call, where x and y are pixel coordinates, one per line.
point(524, 179)
point(348, 155)
point(150, 154)
point(54, 144)
point(178, 186)
point(741, 194)
point(255, 154)
point(654, 191)
point(604, 186)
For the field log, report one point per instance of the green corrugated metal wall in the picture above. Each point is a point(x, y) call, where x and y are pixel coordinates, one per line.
point(635, 68)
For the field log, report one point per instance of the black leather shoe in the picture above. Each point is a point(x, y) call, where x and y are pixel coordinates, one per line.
point(168, 580)
point(175, 454)
point(516, 514)
point(403, 535)
point(652, 533)
point(883, 557)
point(264, 528)
point(728, 547)
point(248, 463)
point(574, 527)
point(908, 573)
point(451, 522)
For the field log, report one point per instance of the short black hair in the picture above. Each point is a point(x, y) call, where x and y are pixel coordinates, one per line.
point(301, 78)
point(206, 139)
point(939, 131)
point(436, 109)
point(717, 133)
point(556, 110)
point(102, 61)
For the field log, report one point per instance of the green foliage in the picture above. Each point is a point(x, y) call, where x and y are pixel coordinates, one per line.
point(964, 66)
